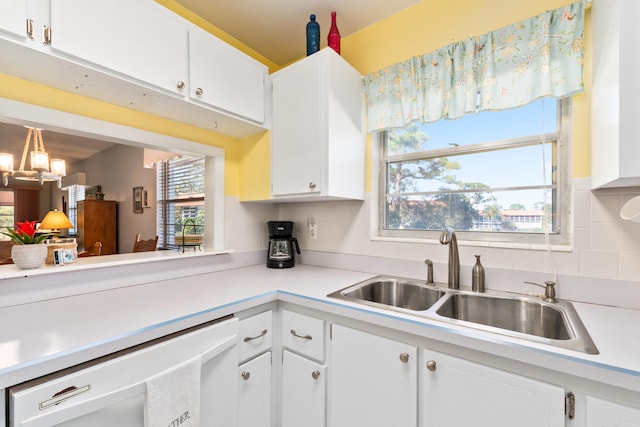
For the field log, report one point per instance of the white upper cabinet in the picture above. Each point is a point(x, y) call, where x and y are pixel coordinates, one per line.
point(225, 78)
point(135, 54)
point(13, 17)
point(317, 140)
point(615, 94)
point(139, 39)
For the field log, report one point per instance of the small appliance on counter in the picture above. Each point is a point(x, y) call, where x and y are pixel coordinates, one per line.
point(281, 242)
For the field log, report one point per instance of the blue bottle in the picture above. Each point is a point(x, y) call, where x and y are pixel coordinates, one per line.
point(313, 36)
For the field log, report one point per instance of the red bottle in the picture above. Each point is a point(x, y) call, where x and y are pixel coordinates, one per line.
point(333, 39)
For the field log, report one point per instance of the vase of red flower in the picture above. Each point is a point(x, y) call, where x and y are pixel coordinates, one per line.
point(29, 250)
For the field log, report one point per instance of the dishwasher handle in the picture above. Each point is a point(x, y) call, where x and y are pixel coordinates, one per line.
point(96, 403)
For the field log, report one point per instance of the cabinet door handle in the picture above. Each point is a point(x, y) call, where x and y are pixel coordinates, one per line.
point(312, 186)
point(30, 28)
point(63, 395)
point(180, 84)
point(404, 357)
point(315, 375)
point(245, 375)
point(263, 333)
point(199, 91)
point(431, 365)
point(304, 337)
point(46, 35)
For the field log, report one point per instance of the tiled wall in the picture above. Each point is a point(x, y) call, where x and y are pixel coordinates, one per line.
point(604, 246)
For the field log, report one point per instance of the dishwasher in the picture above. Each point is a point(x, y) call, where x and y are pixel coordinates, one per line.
point(138, 387)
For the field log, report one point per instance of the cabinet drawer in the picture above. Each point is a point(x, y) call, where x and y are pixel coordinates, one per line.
point(255, 335)
point(303, 334)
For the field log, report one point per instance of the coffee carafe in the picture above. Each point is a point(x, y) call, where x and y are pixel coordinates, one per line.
point(281, 242)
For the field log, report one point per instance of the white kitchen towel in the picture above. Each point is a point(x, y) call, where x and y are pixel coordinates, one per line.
point(173, 396)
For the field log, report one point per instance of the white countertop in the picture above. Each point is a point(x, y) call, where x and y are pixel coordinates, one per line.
point(42, 337)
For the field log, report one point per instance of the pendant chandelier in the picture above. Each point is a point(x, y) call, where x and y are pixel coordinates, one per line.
point(41, 169)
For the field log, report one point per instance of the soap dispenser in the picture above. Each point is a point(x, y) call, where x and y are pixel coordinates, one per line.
point(477, 276)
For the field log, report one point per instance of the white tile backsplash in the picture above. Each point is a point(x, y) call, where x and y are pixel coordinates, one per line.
point(604, 245)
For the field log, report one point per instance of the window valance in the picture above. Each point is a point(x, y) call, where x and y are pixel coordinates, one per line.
point(506, 68)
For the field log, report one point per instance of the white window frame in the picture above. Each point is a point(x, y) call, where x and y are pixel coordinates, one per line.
point(562, 241)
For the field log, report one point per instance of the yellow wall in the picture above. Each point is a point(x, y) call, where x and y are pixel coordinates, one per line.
point(416, 30)
point(431, 24)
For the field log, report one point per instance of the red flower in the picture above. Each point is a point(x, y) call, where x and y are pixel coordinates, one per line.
point(25, 234)
point(26, 228)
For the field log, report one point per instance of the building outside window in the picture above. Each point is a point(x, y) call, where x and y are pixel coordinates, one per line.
point(495, 176)
point(180, 196)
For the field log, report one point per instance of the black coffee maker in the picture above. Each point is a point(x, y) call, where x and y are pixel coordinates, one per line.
point(281, 241)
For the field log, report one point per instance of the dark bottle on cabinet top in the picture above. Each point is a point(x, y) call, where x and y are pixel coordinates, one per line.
point(313, 35)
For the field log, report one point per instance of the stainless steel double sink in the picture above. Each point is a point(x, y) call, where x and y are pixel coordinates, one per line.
point(529, 318)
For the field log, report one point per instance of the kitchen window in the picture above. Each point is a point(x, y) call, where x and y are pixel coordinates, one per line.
point(496, 176)
point(180, 198)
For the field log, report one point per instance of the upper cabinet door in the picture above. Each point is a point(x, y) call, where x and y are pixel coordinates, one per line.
point(13, 17)
point(224, 77)
point(138, 39)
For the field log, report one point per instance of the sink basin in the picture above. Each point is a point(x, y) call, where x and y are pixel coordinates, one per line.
point(392, 293)
point(530, 318)
point(514, 314)
point(551, 323)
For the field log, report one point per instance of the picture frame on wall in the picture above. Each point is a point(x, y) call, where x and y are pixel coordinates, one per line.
point(137, 200)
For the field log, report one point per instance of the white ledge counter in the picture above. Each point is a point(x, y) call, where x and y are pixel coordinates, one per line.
point(68, 328)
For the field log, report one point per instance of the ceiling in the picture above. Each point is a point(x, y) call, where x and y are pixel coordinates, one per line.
point(276, 28)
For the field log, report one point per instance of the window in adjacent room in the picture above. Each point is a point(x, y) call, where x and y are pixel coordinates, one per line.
point(76, 194)
point(180, 198)
point(494, 176)
point(6, 209)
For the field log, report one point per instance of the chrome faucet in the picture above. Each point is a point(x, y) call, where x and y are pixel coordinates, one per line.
point(448, 237)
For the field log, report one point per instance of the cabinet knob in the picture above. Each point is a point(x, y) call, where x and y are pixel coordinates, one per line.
point(245, 375)
point(431, 365)
point(312, 186)
point(180, 84)
point(404, 357)
point(199, 91)
point(315, 375)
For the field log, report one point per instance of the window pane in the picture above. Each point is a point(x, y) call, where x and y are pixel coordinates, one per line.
point(515, 167)
point(180, 196)
point(537, 118)
point(490, 172)
point(472, 212)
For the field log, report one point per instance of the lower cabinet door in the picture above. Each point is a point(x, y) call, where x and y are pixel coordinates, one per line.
point(459, 393)
point(602, 413)
point(374, 380)
point(254, 392)
point(303, 392)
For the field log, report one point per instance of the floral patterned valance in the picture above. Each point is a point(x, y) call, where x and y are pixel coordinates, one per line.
point(510, 67)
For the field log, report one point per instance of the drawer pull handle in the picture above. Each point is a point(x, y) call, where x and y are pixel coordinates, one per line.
point(263, 333)
point(245, 375)
point(304, 337)
point(63, 395)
